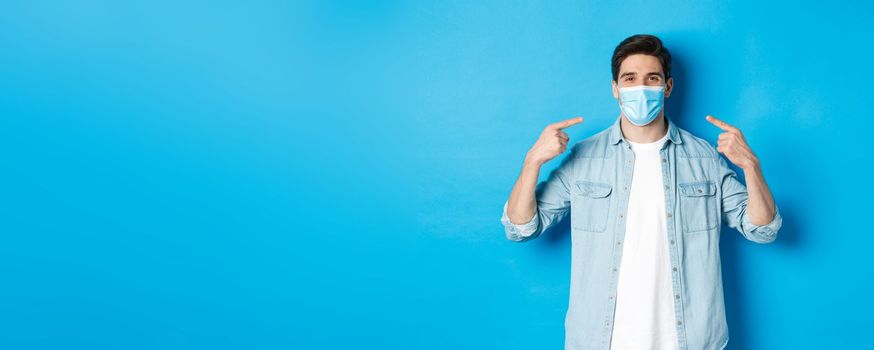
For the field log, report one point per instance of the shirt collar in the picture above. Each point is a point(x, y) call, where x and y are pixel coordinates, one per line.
point(616, 132)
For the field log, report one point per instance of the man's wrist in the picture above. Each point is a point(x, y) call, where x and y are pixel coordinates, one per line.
point(532, 163)
point(752, 169)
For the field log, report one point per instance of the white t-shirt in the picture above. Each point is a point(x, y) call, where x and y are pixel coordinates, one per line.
point(644, 317)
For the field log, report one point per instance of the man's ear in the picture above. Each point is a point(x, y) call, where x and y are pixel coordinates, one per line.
point(615, 90)
point(669, 87)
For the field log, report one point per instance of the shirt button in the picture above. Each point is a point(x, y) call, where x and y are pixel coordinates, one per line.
point(625, 188)
point(664, 160)
point(667, 187)
point(618, 243)
point(679, 322)
point(677, 296)
point(669, 214)
point(672, 241)
point(675, 269)
point(614, 269)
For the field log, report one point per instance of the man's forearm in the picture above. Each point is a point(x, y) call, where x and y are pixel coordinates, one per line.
point(761, 207)
point(522, 205)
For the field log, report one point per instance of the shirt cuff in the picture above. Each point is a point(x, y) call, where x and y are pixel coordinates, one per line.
point(519, 230)
point(769, 229)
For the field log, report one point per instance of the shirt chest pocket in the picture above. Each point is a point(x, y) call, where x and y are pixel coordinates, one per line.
point(591, 206)
point(698, 206)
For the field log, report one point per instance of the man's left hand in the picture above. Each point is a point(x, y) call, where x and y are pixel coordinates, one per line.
point(734, 146)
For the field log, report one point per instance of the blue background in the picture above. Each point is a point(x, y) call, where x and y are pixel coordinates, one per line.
point(325, 174)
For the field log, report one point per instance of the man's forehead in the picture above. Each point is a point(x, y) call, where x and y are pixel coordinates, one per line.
point(641, 64)
point(643, 72)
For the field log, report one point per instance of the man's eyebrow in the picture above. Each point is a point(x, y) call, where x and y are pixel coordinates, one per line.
point(627, 73)
point(655, 73)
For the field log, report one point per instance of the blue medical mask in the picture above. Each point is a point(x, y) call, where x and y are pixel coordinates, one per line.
point(641, 104)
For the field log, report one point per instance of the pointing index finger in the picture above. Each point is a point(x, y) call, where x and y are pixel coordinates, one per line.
point(566, 123)
point(720, 124)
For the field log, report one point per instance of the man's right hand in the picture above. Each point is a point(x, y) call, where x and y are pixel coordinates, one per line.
point(552, 142)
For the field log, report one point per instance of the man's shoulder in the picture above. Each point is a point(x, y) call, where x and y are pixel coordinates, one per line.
point(696, 147)
point(594, 146)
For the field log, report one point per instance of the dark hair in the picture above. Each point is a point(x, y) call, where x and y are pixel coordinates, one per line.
point(641, 44)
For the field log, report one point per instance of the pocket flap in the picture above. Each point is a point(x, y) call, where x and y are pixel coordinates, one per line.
point(693, 189)
point(594, 189)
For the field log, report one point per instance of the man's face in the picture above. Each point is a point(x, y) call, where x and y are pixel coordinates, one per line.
point(640, 69)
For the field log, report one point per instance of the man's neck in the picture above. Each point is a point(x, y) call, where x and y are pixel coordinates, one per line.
point(651, 132)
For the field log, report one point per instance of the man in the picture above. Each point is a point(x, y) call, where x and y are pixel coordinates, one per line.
point(646, 201)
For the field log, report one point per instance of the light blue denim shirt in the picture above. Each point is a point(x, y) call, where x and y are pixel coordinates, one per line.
point(701, 192)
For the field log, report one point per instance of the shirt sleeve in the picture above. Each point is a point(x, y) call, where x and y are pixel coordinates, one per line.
point(553, 202)
point(734, 208)
point(518, 231)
